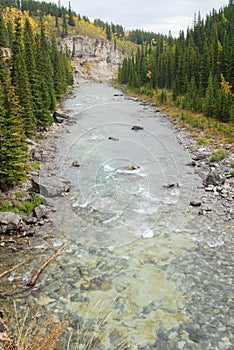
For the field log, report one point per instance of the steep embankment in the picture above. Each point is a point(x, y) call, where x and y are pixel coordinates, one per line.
point(93, 58)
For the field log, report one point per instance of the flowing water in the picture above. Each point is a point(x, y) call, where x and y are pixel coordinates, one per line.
point(142, 268)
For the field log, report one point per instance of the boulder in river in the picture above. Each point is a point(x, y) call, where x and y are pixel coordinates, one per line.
point(113, 138)
point(75, 163)
point(169, 185)
point(195, 203)
point(136, 128)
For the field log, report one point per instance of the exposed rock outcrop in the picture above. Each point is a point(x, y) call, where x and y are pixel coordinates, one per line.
point(94, 59)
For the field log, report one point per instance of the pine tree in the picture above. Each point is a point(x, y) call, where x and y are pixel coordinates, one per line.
point(21, 82)
point(39, 107)
point(13, 147)
point(3, 32)
point(70, 18)
point(64, 27)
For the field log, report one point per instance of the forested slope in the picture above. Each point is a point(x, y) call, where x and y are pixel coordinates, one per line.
point(197, 67)
point(32, 80)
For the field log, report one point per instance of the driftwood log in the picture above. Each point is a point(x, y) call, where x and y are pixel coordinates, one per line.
point(44, 265)
point(35, 277)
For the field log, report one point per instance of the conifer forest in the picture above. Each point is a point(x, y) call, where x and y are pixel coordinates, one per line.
point(197, 67)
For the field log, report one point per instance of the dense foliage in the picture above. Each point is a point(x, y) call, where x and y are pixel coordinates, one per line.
point(198, 68)
point(32, 79)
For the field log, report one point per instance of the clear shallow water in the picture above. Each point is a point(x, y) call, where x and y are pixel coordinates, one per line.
point(138, 255)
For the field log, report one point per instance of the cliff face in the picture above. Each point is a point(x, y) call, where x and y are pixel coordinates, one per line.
point(94, 59)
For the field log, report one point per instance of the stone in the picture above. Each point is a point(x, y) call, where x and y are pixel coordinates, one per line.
point(213, 179)
point(60, 117)
point(136, 128)
point(192, 163)
point(113, 138)
point(30, 219)
point(51, 186)
point(169, 185)
point(40, 212)
point(10, 222)
point(195, 203)
point(76, 164)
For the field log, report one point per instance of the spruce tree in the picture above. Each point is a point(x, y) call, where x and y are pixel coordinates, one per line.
point(13, 147)
point(21, 82)
point(70, 18)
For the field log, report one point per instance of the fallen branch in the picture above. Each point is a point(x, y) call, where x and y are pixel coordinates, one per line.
point(13, 268)
point(13, 292)
point(46, 263)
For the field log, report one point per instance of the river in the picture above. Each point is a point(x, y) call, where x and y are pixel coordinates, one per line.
point(142, 270)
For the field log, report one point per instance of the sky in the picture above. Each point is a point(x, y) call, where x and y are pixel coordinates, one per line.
point(149, 15)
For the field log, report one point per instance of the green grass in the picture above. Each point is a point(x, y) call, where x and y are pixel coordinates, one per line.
point(20, 206)
point(218, 155)
point(36, 164)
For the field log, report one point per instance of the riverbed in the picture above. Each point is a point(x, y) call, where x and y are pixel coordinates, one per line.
point(142, 269)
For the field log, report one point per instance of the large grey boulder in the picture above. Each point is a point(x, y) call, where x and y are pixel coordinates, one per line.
point(51, 186)
point(10, 222)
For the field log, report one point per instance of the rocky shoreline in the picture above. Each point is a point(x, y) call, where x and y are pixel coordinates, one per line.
point(14, 226)
point(213, 197)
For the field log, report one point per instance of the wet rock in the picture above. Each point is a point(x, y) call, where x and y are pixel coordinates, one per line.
point(76, 164)
point(206, 207)
point(10, 222)
point(192, 163)
point(60, 117)
point(195, 203)
point(113, 138)
point(209, 188)
point(136, 128)
point(169, 185)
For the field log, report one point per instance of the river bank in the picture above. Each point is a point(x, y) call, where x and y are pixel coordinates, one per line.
point(155, 267)
point(214, 168)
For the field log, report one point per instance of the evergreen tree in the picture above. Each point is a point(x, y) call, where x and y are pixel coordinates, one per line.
point(21, 81)
point(3, 33)
point(70, 18)
point(13, 148)
point(64, 27)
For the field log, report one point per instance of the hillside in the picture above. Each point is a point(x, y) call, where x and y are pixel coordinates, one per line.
point(195, 71)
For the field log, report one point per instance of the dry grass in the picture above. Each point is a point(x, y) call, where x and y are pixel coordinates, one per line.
point(34, 331)
point(206, 131)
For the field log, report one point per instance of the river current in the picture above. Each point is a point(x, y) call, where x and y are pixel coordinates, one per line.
point(142, 270)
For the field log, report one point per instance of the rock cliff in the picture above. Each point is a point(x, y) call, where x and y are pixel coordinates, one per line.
point(94, 59)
